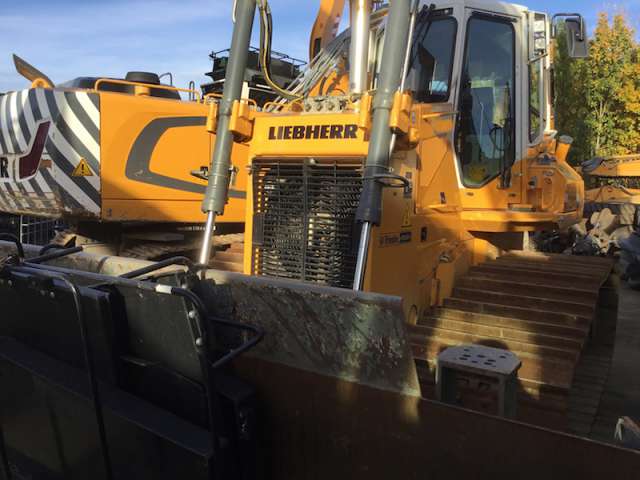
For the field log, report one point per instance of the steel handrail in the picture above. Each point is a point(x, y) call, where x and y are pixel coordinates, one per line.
point(145, 85)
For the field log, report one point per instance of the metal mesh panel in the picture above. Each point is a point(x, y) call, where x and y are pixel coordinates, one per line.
point(10, 224)
point(39, 231)
point(304, 217)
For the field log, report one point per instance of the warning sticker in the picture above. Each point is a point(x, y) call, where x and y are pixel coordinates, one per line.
point(406, 217)
point(82, 170)
point(393, 239)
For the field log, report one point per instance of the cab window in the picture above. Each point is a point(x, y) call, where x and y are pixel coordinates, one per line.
point(485, 135)
point(431, 58)
point(535, 100)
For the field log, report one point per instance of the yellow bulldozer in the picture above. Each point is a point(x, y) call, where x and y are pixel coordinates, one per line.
point(417, 174)
point(384, 199)
point(612, 180)
point(613, 183)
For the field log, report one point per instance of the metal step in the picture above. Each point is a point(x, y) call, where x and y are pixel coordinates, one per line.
point(569, 343)
point(522, 313)
point(541, 290)
point(538, 327)
point(501, 273)
point(519, 274)
point(525, 301)
point(553, 371)
point(602, 263)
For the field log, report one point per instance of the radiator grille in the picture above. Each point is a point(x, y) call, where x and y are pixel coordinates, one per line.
point(304, 217)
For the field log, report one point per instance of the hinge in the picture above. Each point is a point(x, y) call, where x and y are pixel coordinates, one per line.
point(212, 118)
point(364, 114)
point(402, 119)
point(241, 121)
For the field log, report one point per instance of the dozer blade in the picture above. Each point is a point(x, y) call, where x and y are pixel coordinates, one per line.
point(326, 410)
point(356, 337)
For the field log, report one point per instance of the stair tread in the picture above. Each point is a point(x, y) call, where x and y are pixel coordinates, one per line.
point(491, 319)
point(429, 334)
point(509, 299)
point(505, 331)
point(589, 295)
point(526, 312)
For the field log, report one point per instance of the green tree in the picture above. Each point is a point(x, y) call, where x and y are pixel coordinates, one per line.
point(598, 98)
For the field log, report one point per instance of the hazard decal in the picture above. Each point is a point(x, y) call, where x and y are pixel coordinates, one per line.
point(82, 170)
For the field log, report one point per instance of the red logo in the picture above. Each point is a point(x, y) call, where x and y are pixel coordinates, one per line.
point(22, 167)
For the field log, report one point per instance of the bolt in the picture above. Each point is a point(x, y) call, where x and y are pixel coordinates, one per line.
point(199, 342)
point(192, 314)
point(10, 283)
point(52, 295)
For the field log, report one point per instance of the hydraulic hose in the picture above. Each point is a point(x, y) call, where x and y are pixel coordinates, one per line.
point(266, 35)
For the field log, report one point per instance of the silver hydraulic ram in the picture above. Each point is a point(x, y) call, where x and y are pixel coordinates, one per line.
point(391, 70)
point(360, 12)
point(217, 192)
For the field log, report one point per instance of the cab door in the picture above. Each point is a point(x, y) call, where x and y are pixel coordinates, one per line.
point(489, 132)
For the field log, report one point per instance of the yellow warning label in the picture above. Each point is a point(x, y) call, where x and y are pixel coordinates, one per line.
point(406, 217)
point(82, 170)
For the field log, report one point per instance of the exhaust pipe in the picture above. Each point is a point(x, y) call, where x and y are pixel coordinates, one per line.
point(360, 11)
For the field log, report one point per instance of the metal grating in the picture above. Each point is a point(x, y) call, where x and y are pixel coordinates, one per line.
point(304, 221)
point(39, 231)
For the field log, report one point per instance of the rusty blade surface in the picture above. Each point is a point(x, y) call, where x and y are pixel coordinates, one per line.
point(357, 337)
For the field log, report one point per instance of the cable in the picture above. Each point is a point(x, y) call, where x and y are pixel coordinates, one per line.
point(266, 31)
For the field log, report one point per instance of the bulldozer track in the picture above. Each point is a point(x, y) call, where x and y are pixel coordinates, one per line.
point(228, 253)
point(553, 311)
point(231, 259)
point(227, 248)
point(63, 237)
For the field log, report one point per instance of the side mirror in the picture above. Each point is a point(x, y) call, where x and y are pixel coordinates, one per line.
point(576, 31)
point(576, 38)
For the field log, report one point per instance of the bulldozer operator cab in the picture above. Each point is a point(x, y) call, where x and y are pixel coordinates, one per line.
point(484, 135)
point(484, 82)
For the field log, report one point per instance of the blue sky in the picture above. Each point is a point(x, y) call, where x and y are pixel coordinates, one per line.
point(70, 38)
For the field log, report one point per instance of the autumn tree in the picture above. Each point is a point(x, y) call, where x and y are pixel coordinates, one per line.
point(598, 98)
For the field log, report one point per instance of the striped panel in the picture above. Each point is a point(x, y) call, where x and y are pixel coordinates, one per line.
point(74, 134)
